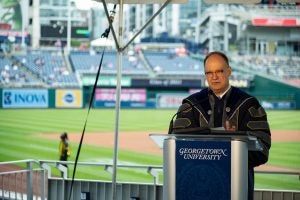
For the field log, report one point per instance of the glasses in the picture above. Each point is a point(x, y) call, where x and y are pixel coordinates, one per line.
point(217, 72)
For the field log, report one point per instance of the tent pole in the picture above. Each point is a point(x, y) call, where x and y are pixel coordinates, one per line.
point(118, 101)
point(120, 49)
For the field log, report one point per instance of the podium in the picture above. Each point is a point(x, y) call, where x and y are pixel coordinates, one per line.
point(209, 165)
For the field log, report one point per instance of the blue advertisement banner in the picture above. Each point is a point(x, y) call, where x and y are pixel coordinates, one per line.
point(25, 98)
point(203, 170)
point(284, 105)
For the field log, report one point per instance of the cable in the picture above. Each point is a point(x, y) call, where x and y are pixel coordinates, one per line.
point(105, 34)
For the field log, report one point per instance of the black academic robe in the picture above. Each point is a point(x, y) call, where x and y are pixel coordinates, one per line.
point(204, 110)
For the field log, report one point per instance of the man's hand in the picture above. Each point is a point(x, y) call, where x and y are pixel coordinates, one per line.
point(228, 127)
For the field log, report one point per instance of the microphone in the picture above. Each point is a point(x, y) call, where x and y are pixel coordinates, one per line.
point(184, 107)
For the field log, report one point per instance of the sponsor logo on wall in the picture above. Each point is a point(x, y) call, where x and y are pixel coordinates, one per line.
point(169, 100)
point(130, 98)
point(25, 98)
point(68, 98)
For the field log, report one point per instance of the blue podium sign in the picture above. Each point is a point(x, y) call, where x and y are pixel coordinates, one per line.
point(203, 170)
point(206, 166)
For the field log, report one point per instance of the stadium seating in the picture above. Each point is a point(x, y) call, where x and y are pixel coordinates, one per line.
point(88, 62)
point(279, 67)
point(169, 63)
point(12, 74)
point(49, 67)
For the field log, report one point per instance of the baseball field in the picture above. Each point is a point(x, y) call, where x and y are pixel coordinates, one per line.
point(34, 134)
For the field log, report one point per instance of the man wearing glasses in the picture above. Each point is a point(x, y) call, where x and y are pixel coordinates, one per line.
point(226, 107)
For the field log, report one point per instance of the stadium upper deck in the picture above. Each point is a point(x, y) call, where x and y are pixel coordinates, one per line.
point(48, 68)
point(284, 68)
point(88, 63)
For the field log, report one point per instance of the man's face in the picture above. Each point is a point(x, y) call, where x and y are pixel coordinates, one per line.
point(217, 73)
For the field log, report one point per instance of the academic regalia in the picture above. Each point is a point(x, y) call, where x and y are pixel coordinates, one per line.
point(205, 110)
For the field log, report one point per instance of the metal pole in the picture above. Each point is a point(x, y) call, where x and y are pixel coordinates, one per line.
point(69, 28)
point(2, 177)
point(29, 181)
point(199, 5)
point(63, 188)
point(23, 24)
point(225, 34)
point(120, 48)
point(211, 42)
point(118, 103)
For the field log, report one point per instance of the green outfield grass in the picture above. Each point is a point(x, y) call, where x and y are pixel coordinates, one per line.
point(20, 128)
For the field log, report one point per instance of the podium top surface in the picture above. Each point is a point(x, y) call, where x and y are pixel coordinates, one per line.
point(245, 136)
point(143, 1)
point(214, 135)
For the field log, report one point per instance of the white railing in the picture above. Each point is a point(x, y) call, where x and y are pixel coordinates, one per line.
point(29, 182)
point(31, 179)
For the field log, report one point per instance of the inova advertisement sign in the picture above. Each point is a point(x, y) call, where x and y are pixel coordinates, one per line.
point(25, 98)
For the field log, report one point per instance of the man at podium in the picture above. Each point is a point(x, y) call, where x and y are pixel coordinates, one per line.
point(222, 106)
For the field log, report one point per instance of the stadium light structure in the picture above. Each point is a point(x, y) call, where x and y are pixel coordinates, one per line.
point(71, 6)
point(69, 28)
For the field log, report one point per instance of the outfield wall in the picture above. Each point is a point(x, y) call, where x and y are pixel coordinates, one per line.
point(41, 98)
point(275, 95)
point(271, 94)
